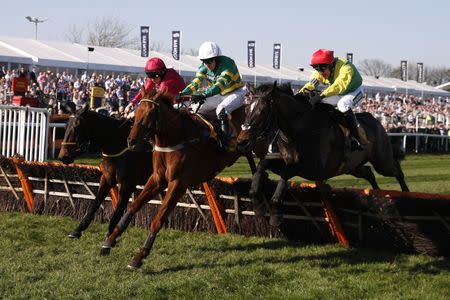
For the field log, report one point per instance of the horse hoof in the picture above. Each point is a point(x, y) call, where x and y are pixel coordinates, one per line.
point(259, 209)
point(75, 234)
point(105, 251)
point(134, 264)
point(275, 220)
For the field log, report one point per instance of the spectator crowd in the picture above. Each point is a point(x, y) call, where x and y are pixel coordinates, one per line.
point(396, 112)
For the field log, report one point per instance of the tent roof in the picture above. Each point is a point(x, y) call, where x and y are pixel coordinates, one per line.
point(73, 55)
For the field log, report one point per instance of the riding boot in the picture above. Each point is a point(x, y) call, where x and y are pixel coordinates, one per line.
point(224, 135)
point(353, 125)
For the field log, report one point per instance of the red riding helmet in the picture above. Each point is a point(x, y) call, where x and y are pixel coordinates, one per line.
point(322, 57)
point(155, 64)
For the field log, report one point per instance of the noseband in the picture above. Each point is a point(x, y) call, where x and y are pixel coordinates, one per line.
point(264, 130)
point(153, 117)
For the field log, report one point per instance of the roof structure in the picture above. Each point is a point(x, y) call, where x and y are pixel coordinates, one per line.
point(71, 55)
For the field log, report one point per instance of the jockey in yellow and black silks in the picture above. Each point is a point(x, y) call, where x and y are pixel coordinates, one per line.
point(343, 89)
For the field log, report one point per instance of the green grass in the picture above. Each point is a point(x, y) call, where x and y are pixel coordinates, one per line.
point(38, 261)
point(423, 173)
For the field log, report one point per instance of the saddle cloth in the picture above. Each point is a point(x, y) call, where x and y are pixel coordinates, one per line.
point(212, 128)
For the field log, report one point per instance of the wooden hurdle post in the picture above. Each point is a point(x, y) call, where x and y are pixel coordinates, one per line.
point(26, 185)
point(217, 215)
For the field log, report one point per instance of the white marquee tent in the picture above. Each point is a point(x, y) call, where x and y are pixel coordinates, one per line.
point(76, 58)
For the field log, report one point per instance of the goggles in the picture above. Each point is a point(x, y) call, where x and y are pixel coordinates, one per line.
point(208, 61)
point(153, 75)
point(320, 68)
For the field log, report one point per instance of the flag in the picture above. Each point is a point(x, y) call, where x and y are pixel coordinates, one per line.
point(145, 32)
point(404, 70)
point(350, 57)
point(419, 72)
point(276, 56)
point(251, 54)
point(176, 36)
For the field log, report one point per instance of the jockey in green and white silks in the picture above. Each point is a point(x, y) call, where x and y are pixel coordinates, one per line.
point(344, 89)
point(225, 92)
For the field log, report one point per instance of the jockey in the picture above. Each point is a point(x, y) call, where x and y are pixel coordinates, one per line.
point(225, 92)
point(344, 87)
point(165, 81)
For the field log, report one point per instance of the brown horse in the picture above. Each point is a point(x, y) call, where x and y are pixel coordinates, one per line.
point(312, 143)
point(184, 155)
point(119, 166)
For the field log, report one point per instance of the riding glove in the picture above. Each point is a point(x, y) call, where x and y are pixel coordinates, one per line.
point(315, 99)
point(198, 98)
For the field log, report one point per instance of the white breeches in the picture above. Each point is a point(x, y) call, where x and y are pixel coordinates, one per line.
point(230, 102)
point(347, 101)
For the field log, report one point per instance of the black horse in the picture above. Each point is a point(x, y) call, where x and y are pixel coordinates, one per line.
point(312, 142)
point(119, 166)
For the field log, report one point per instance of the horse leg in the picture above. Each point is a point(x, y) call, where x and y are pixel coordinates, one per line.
point(90, 214)
point(151, 189)
point(366, 173)
point(398, 173)
point(251, 162)
point(288, 172)
point(258, 181)
point(125, 191)
point(175, 191)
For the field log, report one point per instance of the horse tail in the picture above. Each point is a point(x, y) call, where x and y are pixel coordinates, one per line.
point(397, 148)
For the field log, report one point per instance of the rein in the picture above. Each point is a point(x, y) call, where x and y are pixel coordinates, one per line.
point(117, 154)
point(176, 147)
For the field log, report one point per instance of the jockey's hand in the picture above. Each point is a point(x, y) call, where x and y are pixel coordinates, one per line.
point(198, 98)
point(128, 108)
point(315, 99)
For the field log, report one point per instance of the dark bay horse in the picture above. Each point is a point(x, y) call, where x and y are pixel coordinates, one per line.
point(119, 166)
point(183, 156)
point(311, 142)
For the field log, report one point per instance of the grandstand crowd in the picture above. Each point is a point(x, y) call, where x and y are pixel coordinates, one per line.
point(396, 112)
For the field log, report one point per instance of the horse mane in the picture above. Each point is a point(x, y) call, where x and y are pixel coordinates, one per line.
point(286, 88)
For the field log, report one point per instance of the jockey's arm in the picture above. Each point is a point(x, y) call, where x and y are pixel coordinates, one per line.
point(149, 85)
point(219, 85)
point(312, 84)
point(341, 83)
point(195, 84)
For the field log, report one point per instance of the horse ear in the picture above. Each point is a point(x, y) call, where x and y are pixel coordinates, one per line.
point(84, 109)
point(275, 84)
point(250, 87)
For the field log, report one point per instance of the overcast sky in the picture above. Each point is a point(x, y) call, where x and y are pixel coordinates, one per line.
point(390, 30)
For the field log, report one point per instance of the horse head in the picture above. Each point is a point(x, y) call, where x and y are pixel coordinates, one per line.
point(259, 124)
point(145, 121)
point(76, 136)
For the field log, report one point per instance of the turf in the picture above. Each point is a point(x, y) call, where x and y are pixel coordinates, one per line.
point(38, 261)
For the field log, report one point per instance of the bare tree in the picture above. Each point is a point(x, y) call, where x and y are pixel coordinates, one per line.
point(374, 67)
point(75, 34)
point(437, 75)
point(109, 32)
point(190, 51)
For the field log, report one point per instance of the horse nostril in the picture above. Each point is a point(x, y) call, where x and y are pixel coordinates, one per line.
point(131, 143)
point(67, 160)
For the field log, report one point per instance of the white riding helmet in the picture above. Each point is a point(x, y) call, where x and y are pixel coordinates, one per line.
point(209, 50)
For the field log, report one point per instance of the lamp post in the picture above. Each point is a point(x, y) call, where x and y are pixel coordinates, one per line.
point(90, 49)
point(35, 20)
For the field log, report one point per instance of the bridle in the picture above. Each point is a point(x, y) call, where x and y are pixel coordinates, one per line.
point(267, 128)
point(153, 119)
point(75, 146)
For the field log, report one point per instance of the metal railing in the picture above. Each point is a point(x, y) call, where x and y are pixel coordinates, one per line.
point(24, 130)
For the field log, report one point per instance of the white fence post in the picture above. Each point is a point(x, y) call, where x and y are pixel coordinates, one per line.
point(24, 130)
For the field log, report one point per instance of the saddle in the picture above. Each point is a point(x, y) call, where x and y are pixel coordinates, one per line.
point(340, 120)
point(210, 129)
